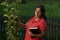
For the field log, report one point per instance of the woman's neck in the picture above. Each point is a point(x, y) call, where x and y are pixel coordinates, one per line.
point(36, 19)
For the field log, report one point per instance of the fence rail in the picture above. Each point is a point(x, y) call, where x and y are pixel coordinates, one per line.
point(53, 28)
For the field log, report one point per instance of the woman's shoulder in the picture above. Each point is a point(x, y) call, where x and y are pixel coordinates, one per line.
point(43, 21)
point(33, 17)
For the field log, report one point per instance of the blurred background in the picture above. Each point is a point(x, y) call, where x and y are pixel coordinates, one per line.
point(24, 9)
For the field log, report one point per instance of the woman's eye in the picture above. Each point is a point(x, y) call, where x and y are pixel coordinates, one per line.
point(36, 10)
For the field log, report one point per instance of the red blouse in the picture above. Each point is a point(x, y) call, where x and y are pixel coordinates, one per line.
point(41, 24)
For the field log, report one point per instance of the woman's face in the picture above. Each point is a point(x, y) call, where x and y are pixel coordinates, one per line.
point(37, 12)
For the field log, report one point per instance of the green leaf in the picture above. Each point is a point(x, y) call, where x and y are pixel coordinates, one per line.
point(5, 10)
point(6, 15)
point(4, 3)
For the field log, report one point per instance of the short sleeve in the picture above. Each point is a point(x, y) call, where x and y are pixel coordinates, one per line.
point(42, 25)
point(30, 21)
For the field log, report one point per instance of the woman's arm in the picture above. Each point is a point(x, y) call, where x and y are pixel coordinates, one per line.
point(43, 33)
point(22, 25)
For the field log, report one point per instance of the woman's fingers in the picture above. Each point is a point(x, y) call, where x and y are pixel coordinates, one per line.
point(31, 33)
point(15, 18)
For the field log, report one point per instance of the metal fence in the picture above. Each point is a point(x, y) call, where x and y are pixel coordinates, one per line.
point(53, 28)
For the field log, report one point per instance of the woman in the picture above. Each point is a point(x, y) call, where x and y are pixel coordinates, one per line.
point(39, 21)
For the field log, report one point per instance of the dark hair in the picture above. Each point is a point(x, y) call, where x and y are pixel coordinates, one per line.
point(42, 11)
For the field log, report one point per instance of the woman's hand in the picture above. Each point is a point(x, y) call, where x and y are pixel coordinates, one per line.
point(31, 34)
point(15, 18)
point(19, 22)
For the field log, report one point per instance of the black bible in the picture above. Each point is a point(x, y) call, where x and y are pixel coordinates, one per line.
point(35, 30)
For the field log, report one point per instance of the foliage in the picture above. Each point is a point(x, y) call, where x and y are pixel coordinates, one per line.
point(12, 29)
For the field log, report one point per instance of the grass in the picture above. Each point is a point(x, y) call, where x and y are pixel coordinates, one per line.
point(52, 8)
